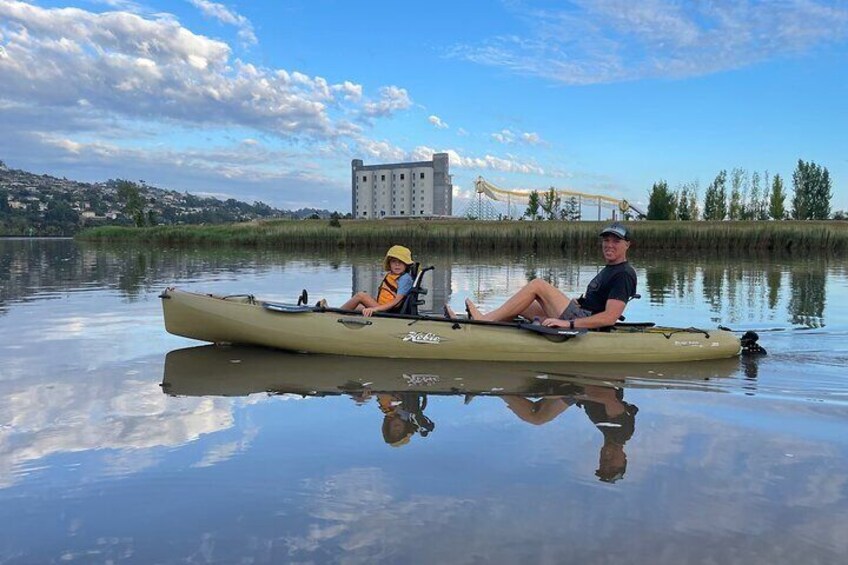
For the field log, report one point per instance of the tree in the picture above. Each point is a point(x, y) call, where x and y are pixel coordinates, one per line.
point(752, 205)
point(130, 197)
point(661, 202)
point(533, 203)
point(777, 206)
point(763, 206)
point(715, 199)
point(813, 192)
point(570, 210)
point(550, 204)
point(737, 202)
point(687, 202)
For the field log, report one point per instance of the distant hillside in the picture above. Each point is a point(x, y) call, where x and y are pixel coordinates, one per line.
point(41, 205)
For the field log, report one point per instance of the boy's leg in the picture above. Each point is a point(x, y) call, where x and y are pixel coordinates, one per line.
point(358, 301)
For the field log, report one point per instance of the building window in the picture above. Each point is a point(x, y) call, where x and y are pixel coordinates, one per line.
point(382, 177)
point(422, 175)
point(364, 179)
point(401, 176)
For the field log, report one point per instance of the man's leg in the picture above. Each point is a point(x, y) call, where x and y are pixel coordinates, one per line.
point(551, 301)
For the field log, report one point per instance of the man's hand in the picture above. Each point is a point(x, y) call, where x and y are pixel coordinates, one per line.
point(555, 323)
point(368, 311)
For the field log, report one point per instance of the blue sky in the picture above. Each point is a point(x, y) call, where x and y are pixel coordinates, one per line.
point(271, 100)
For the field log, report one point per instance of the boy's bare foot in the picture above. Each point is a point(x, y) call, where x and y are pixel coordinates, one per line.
point(472, 310)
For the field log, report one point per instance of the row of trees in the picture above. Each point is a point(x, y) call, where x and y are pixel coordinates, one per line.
point(549, 205)
point(750, 198)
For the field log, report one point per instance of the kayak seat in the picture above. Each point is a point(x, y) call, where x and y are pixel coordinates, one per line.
point(636, 296)
point(413, 300)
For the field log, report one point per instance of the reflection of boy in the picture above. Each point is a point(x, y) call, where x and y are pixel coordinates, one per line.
point(403, 416)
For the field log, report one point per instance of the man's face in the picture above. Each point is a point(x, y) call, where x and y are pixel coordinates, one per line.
point(614, 249)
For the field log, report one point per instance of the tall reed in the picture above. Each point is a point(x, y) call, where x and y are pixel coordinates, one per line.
point(508, 236)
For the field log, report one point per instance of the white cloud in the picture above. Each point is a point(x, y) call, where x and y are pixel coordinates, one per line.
point(437, 121)
point(617, 40)
point(392, 99)
point(486, 162)
point(504, 136)
point(531, 138)
point(152, 69)
point(380, 150)
point(461, 132)
point(227, 16)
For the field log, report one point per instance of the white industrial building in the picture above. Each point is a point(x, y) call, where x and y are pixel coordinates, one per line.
point(402, 190)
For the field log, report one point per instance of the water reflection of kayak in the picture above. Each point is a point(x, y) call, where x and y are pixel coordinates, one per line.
point(237, 371)
point(246, 320)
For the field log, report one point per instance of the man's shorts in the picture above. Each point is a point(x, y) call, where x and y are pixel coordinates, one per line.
point(574, 311)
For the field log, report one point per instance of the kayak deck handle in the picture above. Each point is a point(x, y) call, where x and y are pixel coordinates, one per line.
point(354, 323)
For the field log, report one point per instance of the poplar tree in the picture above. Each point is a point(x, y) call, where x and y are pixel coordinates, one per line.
point(737, 204)
point(683, 204)
point(715, 199)
point(752, 207)
point(550, 204)
point(693, 202)
point(777, 206)
point(532, 211)
point(813, 191)
point(687, 202)
point(764, 201)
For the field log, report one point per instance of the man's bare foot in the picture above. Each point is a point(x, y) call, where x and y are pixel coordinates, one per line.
point(473, 311)
point(449, 313)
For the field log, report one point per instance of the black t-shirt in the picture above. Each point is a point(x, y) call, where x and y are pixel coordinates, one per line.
point(614, 281)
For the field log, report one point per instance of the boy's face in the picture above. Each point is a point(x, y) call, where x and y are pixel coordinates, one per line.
point(396, 266)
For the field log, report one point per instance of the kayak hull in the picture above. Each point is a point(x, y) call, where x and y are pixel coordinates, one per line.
point(245, 320)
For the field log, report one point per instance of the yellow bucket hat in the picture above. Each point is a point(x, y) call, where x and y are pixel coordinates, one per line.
point(400, 253)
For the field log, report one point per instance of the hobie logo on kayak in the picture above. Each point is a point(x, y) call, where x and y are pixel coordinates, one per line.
point(423, 337)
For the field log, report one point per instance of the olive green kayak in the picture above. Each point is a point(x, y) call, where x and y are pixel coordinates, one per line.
point(246, 320)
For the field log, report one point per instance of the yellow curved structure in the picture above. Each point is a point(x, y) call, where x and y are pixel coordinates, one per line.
point(521, 196)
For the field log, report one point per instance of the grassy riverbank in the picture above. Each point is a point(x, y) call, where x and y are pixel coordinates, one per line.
point(468, 235)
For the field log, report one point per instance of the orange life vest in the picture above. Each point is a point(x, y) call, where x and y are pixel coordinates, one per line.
point(388, 288)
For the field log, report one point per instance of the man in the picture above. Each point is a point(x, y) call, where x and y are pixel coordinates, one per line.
point(601, 305)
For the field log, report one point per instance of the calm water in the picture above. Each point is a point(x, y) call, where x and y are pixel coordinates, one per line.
point(121, 443)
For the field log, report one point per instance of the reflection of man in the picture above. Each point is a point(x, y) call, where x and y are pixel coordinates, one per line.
point(615, 419)
point(605, 407)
